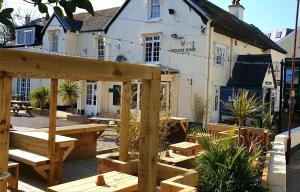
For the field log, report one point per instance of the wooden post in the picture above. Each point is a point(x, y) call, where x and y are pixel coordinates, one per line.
point(125, 118)
point(5, 100)
point(52, 131)
point(149, 141)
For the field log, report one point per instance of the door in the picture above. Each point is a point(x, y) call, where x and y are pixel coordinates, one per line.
point(23, 88)
point(91, 99)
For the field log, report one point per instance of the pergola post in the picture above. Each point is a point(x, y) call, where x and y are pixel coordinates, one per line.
point(52, 131)
point(5, 100)
point(125, 120)
point(149, 140)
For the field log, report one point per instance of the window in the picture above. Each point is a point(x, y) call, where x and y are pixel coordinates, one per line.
point(152, 49)
point(220, 55)
point(155, 9)
point(116, 95)
point(25, 37)
point(54, 42)
point(101, 49)
point(23, 88)
point(278, 34)
point(288, 75)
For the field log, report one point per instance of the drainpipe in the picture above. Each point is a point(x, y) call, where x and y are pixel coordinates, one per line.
point(208, 69)
point(231, 55)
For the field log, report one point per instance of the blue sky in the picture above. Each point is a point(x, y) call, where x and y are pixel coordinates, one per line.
point(265, 14)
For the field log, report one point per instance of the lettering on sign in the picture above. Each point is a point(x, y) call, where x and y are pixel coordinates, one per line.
point(183, 50)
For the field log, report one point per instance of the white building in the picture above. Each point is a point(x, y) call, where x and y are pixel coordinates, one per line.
point(195, 43)
point(193, 37)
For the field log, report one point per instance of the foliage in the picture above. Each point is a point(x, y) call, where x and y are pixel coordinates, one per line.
point(40, 97)
point(69, 91)
point(243, 105)
point(227, 167)
point(267, 120)
point(199, 109)
point(59, 6)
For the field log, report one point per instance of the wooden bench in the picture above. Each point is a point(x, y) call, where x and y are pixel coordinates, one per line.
point(31, 148)
point(86, 135)
point(13, 180)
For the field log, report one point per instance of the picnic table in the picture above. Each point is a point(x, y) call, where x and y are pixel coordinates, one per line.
point(114, 182)
point(186, 148)
point(174, 158)
point(183, 122)
point(17, 106)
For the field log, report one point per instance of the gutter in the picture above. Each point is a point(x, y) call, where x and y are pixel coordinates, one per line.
point(210, 29)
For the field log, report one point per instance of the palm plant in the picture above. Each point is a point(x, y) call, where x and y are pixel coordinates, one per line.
point(40, 97)
point(242, 106)
point(226, 166)
point(69, 91)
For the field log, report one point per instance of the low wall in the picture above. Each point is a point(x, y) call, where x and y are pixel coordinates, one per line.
point(277, 168)
point(295, 138)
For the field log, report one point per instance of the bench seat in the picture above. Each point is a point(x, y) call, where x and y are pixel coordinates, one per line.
point(28, 158)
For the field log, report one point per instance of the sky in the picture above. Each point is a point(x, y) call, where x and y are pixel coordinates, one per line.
point(268, 15)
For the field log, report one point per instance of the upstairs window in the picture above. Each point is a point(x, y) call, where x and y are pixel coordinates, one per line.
point(154, 9)
point(25, 37)
point(152, 49)
point(54, 42)
point(220, 55)
point(101, 49)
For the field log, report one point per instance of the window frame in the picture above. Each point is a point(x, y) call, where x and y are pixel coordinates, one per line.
point(100, 49)
point(220, 60)
point(24, 33)
point(154, 14)
point(278, 34)
point(23, 88)
point(151, 57)
point(52, 34)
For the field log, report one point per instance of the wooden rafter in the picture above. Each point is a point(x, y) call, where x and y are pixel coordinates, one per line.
point(30, 64)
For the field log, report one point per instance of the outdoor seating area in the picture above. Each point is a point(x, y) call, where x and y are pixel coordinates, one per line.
point(17, 106)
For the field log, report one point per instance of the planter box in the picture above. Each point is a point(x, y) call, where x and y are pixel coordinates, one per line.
point(39, 112)
point(170, 178)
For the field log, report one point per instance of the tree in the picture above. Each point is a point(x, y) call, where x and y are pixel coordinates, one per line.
point(59, 7)
point(242, 106)
point(40, 97)
point(7, 34)
point(69, 91)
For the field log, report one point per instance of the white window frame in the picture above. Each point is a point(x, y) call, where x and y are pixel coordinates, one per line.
point(23, 88)
point(24, 33)
point(54, 45)
point(100, 49)
point(153, 13)
point(149, 52)
point(220, 55)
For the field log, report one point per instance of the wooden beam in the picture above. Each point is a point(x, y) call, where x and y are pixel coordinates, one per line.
point(125, 120)
point(39, 65)
point(52, 131)
point(148, 149)
point(5, 99)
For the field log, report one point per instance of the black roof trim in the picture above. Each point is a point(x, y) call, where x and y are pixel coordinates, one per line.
point(116, 15)
point(50, 20)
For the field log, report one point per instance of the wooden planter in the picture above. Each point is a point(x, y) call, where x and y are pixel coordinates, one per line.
point(169, 178)
point(44, 113)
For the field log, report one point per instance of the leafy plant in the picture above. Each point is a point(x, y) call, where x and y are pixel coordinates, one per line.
point(243, 105)
point(226, 166)
point(40, 98)
point(69, 91)
point(59, 7)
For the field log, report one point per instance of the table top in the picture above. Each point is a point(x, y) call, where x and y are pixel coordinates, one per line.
point(44, 136)
point(184, 145)
point(174, 157)
point(73, 129)
point(115, 182)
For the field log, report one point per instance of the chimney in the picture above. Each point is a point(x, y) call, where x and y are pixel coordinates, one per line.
point(27, 19)
point(237, 9)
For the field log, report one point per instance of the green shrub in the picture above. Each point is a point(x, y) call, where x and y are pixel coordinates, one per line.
point(227, 167)
point(40, 98)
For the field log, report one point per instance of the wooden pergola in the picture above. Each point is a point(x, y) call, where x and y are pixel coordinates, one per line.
point(45, 66)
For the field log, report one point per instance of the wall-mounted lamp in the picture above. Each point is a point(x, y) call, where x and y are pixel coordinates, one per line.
point(171, 11)
point(175, 36)
point(203, 29)
point(190, 81)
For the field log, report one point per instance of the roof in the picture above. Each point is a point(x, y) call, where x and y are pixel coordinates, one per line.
point(223, 23)
point(85, 22)
point(35, 22)
point(250, 71)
